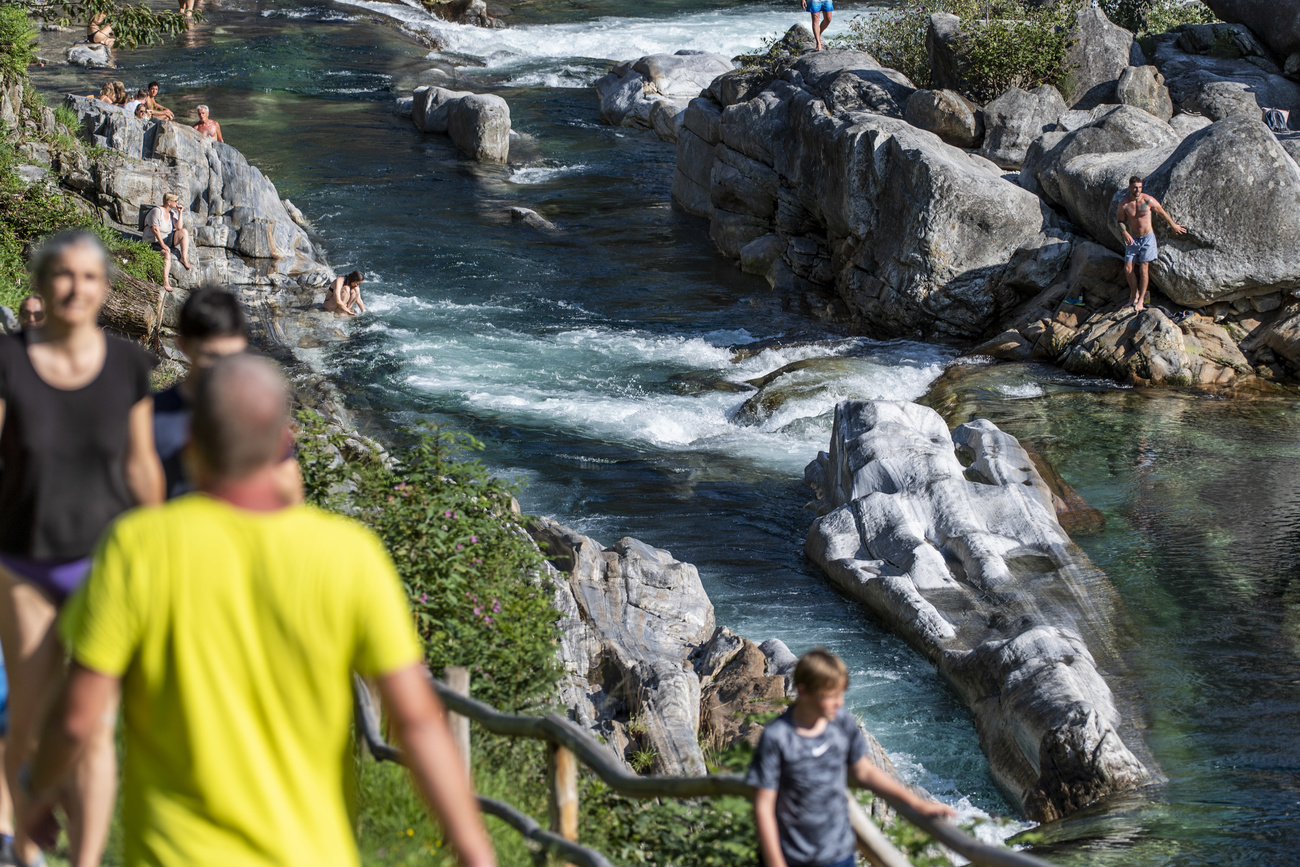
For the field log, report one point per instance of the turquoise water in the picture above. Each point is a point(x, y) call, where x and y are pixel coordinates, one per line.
point(583, 359)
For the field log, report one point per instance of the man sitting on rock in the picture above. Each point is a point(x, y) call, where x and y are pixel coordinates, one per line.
point(155, 108)
point(207, 125)
point(163, 229)
point(1140, 239)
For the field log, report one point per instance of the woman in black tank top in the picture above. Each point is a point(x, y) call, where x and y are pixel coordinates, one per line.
point(76, 441)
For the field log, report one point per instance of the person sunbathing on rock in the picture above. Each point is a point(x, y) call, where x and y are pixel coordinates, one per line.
point(207, 125)
point(345, 295)
point(100, 32)
point(1139, 238)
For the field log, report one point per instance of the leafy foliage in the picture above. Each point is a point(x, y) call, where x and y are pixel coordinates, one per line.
point(17, 43)
point(133, 25)
point(470, 571)
point(1007, 43)
point(30, 212)
point(1150, 17)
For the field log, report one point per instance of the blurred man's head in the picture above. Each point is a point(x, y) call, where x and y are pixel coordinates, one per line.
point(241, 419)
point(212, 326)
point(31, 312)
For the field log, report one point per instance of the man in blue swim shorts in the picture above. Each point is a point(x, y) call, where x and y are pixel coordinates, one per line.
point(1140, 239)
point(824, 8)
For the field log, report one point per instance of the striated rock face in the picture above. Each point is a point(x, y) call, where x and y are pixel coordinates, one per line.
point(971, 567)
point(477, 123)
point(646, 666)
point(243, 234)
point(653, 92)
point(1276, 22)
point(632, 617)
point(916, 236)
point(1220, 70)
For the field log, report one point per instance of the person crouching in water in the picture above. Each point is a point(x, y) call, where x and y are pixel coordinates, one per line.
point(799, 773)
point(344, 296)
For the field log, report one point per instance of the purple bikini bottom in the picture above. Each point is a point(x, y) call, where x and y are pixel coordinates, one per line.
point(55, 578)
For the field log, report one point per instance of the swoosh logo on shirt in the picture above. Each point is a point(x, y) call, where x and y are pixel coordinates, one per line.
point(818, 752)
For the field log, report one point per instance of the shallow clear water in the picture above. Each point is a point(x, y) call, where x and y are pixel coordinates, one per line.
point(588, 362)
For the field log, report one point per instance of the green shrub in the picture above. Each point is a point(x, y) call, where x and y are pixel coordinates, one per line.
point(1007, 43)
point(470, 570)
point(17, 43)
point(1151, 17)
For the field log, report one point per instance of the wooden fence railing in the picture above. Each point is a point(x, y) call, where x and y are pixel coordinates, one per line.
point(568, 744)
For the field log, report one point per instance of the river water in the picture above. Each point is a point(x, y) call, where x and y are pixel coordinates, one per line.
point(589, 362)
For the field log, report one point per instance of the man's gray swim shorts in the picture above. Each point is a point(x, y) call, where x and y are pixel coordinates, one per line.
point(1142, 249)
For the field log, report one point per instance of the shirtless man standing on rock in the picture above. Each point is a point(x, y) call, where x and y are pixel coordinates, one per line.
point(1140, 239)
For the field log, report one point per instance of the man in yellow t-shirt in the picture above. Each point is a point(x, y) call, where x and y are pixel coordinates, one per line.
point(230, 622)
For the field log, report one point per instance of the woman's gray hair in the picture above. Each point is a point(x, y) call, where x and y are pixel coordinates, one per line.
point(51, 250)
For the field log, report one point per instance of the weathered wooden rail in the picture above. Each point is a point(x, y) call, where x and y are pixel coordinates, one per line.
point(568, 744)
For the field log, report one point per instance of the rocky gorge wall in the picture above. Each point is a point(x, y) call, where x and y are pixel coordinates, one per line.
point(916, 213)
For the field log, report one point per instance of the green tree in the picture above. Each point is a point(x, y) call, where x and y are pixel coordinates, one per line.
point(133, 24)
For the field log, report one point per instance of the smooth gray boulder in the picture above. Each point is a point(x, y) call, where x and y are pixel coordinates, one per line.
point(854, 81)
point(1227, 253)
point(1144, 87)
point(947, 114)
point(1205, 78)
point(654, 91)
point(90, 56)
point(1099, 51)
point(1276, 22)
point(966, 560)
point(477, 123)
point(1014, 120)
point(1186, 124)
point(1119, 129)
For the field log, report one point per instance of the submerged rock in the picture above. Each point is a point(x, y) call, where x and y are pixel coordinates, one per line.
point(970, 565)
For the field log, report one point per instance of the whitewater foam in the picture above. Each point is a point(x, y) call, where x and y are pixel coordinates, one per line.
point(515, 51)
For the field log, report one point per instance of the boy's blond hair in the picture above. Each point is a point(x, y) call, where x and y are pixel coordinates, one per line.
point(820, 671)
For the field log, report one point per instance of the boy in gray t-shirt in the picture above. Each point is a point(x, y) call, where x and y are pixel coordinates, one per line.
point(801, 769)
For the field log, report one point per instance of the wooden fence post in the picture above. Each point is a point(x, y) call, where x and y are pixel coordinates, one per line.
point(457, 679)
point(562, 783)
